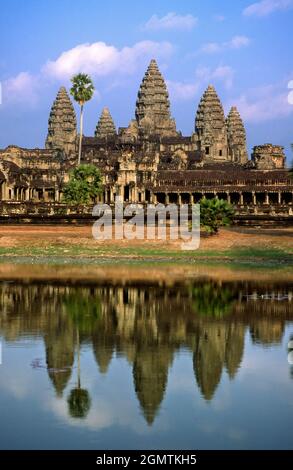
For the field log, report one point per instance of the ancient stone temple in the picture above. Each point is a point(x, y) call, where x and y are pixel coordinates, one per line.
point(105, 127)
point(153, 107)
point(150, 161)
point(62, 124)
point(210, 127)
point(236, 137)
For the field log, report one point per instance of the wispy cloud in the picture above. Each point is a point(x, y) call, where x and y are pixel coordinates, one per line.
point(171, 21)
point(264, 103)
point(215, 47)
point(182, 91)
point(266, 7)
point(23, 88)
point(100, 59)
point(219, 18)
point(222, 73)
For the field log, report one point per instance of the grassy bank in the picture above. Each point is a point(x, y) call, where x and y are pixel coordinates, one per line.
point(67, 253)
point(244, 247)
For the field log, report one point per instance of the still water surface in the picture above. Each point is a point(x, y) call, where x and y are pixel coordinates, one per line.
point(198, 365)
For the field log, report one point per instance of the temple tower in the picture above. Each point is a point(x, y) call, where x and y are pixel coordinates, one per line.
point(210, 127)
point(236, 137)
point(150, 376)
point(209, 357)
point(105, 127)
point(62, 131)
point(153, 106)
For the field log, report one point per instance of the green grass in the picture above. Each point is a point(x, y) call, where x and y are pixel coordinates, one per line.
point(78, 250)
point(111, 254)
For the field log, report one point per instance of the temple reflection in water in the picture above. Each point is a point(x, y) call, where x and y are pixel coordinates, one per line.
point(147, 325)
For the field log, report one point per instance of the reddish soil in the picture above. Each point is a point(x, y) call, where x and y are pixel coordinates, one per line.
point(38, 236)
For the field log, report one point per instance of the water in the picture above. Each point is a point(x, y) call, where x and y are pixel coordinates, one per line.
point(198, 365)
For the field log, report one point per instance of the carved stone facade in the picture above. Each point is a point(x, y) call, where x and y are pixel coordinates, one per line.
point(150, 161)
point(268, 157)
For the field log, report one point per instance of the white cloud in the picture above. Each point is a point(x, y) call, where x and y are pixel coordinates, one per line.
point(266, 7)
point(235, 43)
point(182, 91)
point(100, 59)
point(23, 88)
point(264, 103)
point(222, 73)
point(210, 48)
point(290, 93)
point(171, 21)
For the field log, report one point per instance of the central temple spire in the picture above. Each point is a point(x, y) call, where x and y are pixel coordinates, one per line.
point(152, 106)
point(210, 126)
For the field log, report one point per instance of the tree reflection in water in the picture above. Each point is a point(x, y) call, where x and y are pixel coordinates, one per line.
point(213, 300)
point(84, 312)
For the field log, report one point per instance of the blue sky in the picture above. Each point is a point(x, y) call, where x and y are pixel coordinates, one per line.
point(244, 48)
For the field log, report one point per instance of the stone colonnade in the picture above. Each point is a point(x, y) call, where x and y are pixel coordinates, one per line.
point(133, 194)
point(21, 193)
point(238, 198)
point(241, 198)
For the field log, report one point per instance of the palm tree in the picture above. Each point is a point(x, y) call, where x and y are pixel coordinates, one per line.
point(82, 91)
point(291, 171)
point(79, 401)
point(84, 312)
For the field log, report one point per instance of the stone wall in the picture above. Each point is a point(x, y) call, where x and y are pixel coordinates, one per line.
point(56, 213)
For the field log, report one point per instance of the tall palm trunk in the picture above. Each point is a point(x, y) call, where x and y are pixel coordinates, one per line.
point(81, 134)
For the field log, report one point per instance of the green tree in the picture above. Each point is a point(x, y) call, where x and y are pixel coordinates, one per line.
point(82, 91)
point(79, 400)
point(215, 213)
point(85, 183)
point(84, 310)
point(79, 403)
point(212, 300)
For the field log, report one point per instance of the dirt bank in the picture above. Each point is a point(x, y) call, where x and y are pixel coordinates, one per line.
point(43, 236)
